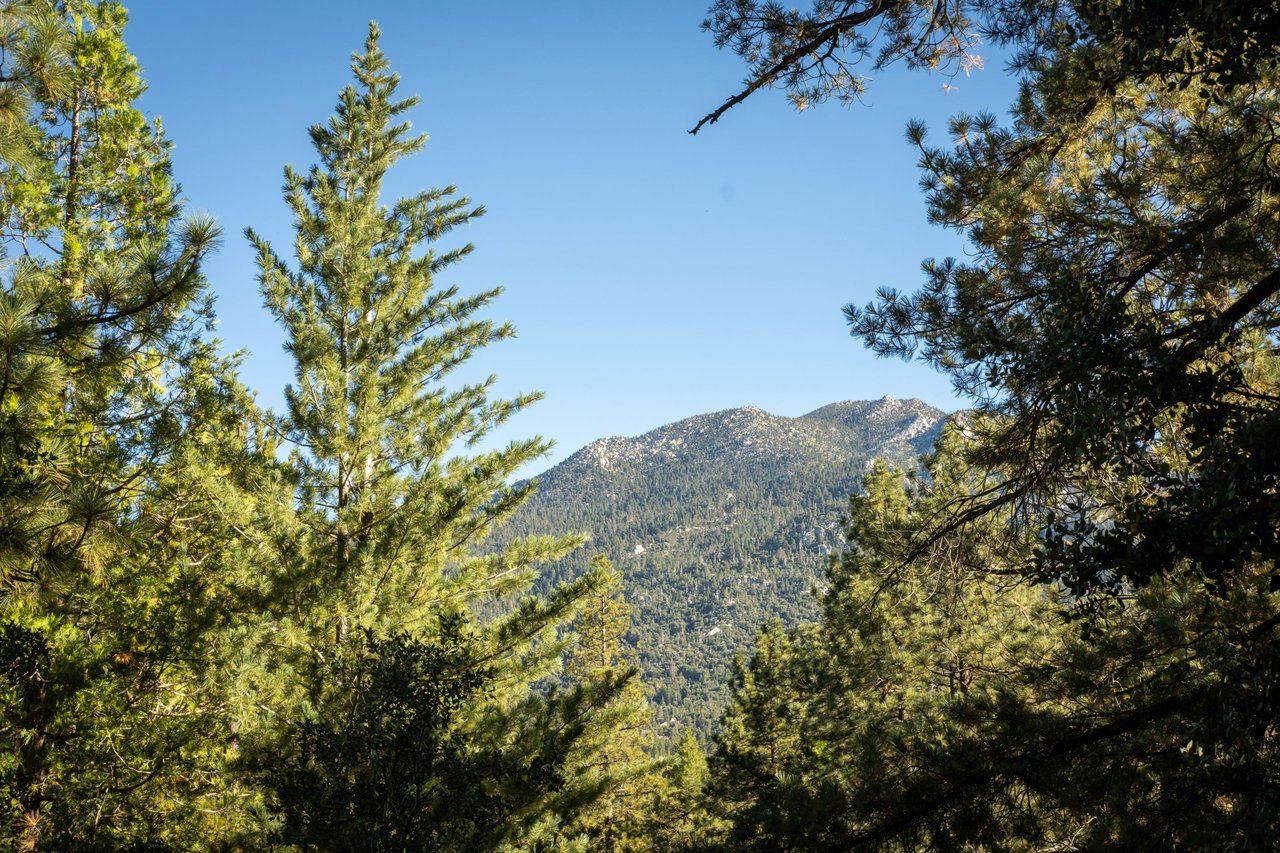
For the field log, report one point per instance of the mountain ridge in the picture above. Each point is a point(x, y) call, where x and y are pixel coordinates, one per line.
point(603, 449)
point(719, 522)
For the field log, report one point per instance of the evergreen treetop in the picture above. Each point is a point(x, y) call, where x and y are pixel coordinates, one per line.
point(390, 501)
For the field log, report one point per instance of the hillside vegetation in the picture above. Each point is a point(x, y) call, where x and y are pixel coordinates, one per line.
point(719, 523)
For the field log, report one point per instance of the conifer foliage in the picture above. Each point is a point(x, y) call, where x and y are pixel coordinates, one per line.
point(840, 728)
point(207, 645)
point(104, 382)
point(384, 689)
point(222, 628)
point(385, 495)
point(1115, 323)
point(614, 755)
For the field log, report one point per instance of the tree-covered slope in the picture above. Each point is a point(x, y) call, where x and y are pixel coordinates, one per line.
point(719, 522)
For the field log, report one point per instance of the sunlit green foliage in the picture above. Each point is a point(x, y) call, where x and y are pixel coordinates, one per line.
point(107, 713)
point(614, 755)
point(374, 576)
point(223, 629)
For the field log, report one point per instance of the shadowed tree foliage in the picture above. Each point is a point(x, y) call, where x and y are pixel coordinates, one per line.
point(1114, 321)
point(386, 498)
point(836, 728)
point(818, 54)
point(388, 767)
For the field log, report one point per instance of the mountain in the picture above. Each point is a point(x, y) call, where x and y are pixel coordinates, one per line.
point(719, 523)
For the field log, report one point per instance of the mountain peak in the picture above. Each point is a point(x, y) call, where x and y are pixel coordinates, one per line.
point(847, 433)
point(719, 522)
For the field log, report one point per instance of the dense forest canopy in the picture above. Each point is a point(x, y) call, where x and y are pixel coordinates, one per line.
point(227, 628)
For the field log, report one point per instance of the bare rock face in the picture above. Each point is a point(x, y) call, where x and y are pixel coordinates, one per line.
point(896, 430)
point(719, 523)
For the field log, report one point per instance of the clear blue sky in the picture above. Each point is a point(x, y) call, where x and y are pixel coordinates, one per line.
point(652, 275)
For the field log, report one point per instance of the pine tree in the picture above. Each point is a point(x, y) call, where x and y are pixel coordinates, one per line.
point(1114, 319)
point(760, 739)
point(1205, 48)
point(104, 375)
point(680, 819)
point(1118, 314)
point(388, 768)
point(614, 754)
point(382, 536)
point(35, 43)
point(390, 504)
point(837, 729)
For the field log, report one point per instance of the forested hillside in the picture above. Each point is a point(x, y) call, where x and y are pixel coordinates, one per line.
point(719, 523)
